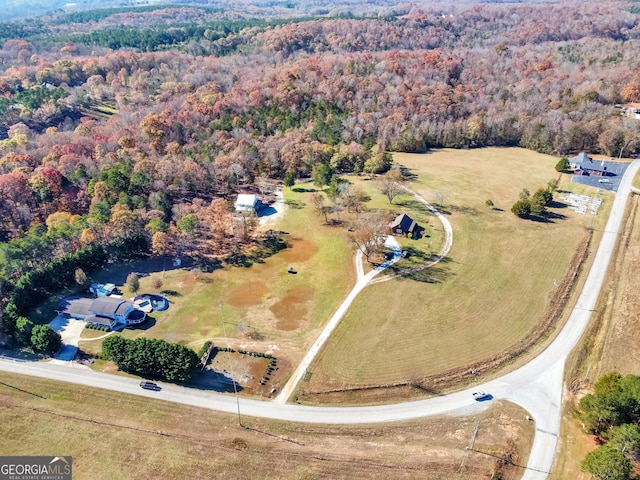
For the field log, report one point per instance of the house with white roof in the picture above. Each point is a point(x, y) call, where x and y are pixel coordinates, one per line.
point(247, 203)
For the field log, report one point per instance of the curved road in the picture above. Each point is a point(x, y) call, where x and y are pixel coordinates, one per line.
point(537, 386)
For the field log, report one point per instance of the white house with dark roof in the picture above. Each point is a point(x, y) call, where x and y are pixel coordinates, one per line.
point(103, 311)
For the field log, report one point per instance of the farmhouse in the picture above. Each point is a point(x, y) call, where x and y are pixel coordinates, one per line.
point(403, 224)
point(246, 203)
point(102, 311)
point(585, 165)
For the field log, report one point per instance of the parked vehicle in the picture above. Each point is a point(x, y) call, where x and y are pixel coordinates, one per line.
point(150, 386)
point(481, 395)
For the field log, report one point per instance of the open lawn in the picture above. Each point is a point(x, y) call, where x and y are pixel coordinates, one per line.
point(489, 294)
point(264, 308)
point(112, 435)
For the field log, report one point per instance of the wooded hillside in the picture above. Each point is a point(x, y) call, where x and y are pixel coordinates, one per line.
point(119, 123)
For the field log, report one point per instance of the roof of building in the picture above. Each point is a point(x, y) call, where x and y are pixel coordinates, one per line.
point(585, 162)
point(110, 306)
point(246, 200)
point(75, 306)
point(100, 320)
point(404, 221)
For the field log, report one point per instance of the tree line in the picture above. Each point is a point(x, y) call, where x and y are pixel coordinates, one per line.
point(186, 130)
point(151, 357)
point(612, 412)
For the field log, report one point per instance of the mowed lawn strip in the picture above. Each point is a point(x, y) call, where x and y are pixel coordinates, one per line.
point(486, 296)
point(263, 306)
point(112, 435)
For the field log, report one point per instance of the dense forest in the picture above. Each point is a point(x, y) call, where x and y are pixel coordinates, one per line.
point(143, 122)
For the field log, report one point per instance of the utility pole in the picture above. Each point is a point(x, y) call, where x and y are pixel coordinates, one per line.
point(233, 380)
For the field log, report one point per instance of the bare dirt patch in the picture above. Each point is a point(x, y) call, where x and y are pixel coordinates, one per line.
point(291, 308)
point(254, 375)
point(299, 250)
point(247, 294)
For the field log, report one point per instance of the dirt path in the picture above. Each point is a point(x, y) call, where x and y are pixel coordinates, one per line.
point(363, 281)
point(444, 251)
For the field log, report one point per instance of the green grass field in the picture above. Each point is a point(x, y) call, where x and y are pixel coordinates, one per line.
point(264, 307)
point(487, 295)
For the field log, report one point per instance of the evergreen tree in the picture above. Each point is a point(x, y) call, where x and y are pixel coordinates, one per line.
point(44, 339)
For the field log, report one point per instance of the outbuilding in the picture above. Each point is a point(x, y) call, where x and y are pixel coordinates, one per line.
point(246, 203)
point(402, 225)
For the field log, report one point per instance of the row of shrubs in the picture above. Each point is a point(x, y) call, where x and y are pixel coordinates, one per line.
point(243, 352)
point(101, 328)
point(204, 348)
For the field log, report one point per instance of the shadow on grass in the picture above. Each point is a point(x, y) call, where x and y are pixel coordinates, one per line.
point(407, 174)
point(171, 293)
point(413, 205)
point(463, 209)
point(434, 274)
point(556, 204)
point(547, 217)
point(146, 325)
point(295, 204)
point(304, 190)
point(23, 391)
point(429, 390)
point(270, 244)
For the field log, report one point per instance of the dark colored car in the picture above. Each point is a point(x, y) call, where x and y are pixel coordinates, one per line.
point(150, 386)
point(481, 395)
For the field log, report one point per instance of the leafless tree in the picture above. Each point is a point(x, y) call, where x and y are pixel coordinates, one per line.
point(265, 185)
point(353, 198)
point(390, 185)
point(369, 234)
point(317, 199)
point(441, 196)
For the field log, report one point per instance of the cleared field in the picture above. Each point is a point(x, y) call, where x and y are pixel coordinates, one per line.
point(488, 295)
point(112, 435)
point(264, 307)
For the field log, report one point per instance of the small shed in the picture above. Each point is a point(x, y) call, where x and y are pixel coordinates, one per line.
point(403, 224)
point(246, 202)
